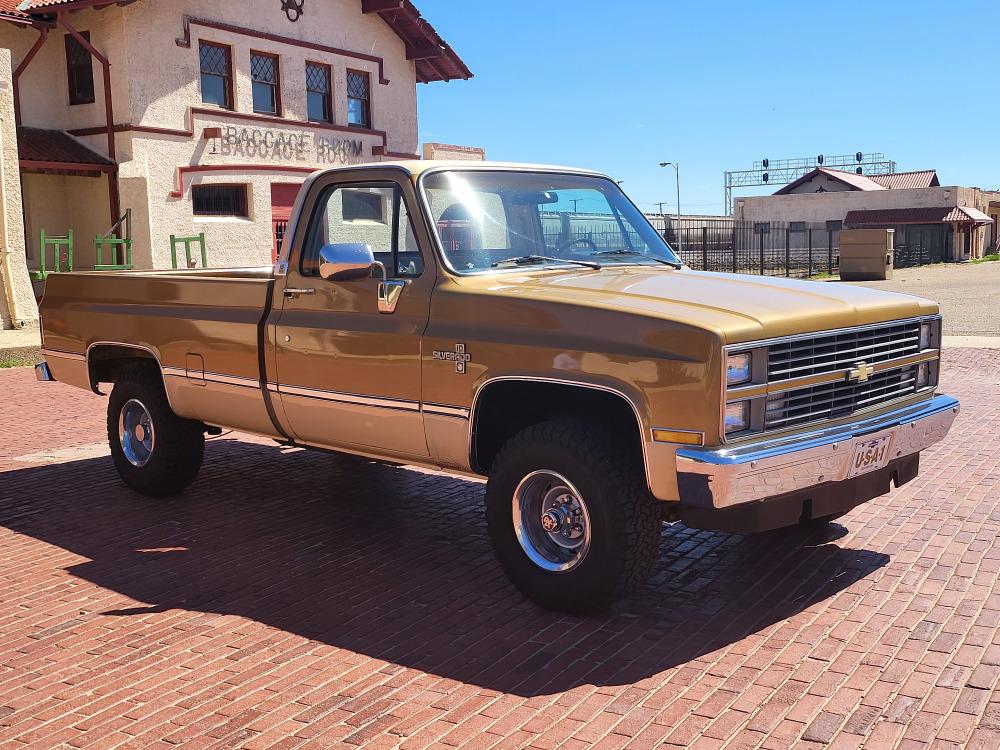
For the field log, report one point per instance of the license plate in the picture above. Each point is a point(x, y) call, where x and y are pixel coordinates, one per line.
point(870, 455)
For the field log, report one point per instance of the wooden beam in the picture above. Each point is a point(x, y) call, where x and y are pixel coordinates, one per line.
point(424, 53)
point(381, 6)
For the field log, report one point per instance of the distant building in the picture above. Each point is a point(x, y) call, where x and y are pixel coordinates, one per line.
point(961, 222)
point(448, 151)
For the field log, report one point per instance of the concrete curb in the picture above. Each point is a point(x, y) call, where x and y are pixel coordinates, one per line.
point(971, 342)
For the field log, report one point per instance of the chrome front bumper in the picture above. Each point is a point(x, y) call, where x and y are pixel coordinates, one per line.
point(750, 472)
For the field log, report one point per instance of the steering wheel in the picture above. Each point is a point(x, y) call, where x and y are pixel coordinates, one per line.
point(578, 241)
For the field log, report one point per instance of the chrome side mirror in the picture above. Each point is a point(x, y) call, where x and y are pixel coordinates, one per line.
point(347, 261)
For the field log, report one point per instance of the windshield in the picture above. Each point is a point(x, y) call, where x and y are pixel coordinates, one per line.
point(487, 220)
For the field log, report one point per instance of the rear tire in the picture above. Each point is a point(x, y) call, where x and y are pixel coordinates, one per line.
point(155, 452)
point(570, 516)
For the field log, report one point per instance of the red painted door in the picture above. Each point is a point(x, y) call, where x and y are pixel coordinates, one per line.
point(282, 198)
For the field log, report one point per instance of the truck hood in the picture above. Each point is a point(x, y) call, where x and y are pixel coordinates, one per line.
point(737, 307)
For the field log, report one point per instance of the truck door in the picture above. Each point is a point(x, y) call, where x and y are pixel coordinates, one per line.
point(347, 374)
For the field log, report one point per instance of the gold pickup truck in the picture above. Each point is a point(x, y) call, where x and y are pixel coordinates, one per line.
point(526, 324)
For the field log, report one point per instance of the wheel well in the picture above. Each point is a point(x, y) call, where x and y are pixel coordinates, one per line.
point(107, 362)
point(505, 408)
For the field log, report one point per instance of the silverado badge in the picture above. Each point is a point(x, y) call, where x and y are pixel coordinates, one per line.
point(460, 357)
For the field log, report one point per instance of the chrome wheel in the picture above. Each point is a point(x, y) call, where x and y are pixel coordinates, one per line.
point(135, 432)
point(551, 521)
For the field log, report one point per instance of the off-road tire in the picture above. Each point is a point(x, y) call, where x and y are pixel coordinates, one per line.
point(179, 445)
point(625, 518)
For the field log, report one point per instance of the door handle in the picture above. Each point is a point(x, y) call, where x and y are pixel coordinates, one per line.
point(293, 292)
point(389, 293)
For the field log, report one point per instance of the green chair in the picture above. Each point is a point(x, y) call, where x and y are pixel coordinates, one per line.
point(120, 249)
point(187, 242)
point(60, 263)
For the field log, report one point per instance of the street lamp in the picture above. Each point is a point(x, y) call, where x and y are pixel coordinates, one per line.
point(677, 172)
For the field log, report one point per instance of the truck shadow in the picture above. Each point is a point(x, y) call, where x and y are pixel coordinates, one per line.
point(394, 564)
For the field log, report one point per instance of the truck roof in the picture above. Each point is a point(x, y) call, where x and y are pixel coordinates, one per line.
point(416, 166)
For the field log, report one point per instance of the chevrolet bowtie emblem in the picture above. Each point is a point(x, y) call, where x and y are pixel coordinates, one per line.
point(861, 372)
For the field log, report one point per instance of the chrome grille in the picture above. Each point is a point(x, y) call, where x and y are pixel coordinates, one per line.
point(838, 351)
point(838, 399)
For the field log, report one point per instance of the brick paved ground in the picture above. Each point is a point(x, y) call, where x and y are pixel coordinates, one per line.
point(310, 601)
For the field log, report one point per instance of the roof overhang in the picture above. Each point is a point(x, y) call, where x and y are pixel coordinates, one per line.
point(877, 218)
point(432, 56)
point(57, 152)
point(976, 215)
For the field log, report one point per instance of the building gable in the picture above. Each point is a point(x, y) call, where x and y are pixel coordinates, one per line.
point(823, 180)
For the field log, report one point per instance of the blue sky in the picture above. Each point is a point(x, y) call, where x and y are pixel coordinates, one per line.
point(622, 86)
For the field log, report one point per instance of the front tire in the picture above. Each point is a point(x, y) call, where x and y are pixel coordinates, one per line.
point(570, 517)
point(155, 452)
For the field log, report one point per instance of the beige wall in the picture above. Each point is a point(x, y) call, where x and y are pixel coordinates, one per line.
point(58, 203)
point(44, 89)
point(819, 207)
point(17, 302)
point(156, 82)
point(452, 152)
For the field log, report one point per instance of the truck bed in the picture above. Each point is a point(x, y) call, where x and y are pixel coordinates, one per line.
point(195, 323)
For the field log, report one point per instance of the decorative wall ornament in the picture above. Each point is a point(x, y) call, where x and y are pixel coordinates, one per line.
point(293, 9)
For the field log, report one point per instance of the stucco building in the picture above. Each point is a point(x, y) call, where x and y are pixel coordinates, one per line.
point(958, 222)
point(201, 116)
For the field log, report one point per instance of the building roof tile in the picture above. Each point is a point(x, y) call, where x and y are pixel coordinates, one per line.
point(932, 215)
point(56, 147)
point(907, 180)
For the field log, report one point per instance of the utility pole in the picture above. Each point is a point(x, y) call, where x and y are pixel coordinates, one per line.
point(677, 172)
point(663, 216)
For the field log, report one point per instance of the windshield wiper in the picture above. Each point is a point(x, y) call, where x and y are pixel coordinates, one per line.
point(670, 263)
point(530, 260)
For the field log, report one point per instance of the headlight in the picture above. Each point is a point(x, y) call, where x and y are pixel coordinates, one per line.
point(926, 330)
point(737, 416)
point(738, 369)
point(923, 374)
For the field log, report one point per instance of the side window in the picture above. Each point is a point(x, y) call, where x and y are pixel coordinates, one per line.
point(80, 68)
point(372, 215)
point(472, 226)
